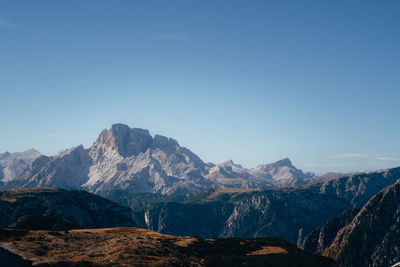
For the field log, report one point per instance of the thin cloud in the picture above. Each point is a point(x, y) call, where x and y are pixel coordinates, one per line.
point(7, 24)
point(347, 156)
point(387, 158)
point(171, 37)
point(53, 135)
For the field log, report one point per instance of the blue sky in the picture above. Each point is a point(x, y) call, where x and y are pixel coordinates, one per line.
point(253, 81)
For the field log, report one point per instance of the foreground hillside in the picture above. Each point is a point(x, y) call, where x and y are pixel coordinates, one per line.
point(140, 247)
point(59, 209)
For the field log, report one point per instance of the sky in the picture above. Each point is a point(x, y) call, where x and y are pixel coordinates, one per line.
point(252, 81)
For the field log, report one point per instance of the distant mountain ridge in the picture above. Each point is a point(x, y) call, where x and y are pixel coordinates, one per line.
point(13, 164)
point(134, 161)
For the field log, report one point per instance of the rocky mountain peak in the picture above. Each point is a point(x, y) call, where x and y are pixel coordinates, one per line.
point(283, 163)
point(4, 155)
point(164, 143)
point(13, 164)
point(74, 150)
point(128, 142)
point(230, 163)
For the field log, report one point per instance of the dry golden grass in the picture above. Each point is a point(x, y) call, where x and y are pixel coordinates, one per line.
point(185, 241)
point(268, 250)
point(131, 246)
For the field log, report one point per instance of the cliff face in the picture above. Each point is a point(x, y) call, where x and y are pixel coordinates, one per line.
point(12, 165)
point(318, 240)
point(372, 237)
point(359, 188)
point(289, 214)
point(68, 169)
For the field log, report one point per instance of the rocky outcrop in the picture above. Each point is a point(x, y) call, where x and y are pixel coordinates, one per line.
point(318, 240)
point(47, 208)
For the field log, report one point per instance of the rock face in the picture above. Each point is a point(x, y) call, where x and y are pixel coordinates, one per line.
point(318, 240)
point(359, 188)
point(372, 237)
point(286, 213)
point(68, 169)
point(282, 172)
point(47, 208)
point(12, 165)
point(290, 213)
point(133, 161)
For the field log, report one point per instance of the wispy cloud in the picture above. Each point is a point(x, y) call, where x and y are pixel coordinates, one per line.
point(7, 24)
point(171, 36)
point(387, 158)
point(53, 135)
point(348, 156)
point(382, 157)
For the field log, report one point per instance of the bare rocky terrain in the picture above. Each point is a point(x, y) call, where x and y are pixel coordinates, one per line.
point(12, 165)
point(366, 237)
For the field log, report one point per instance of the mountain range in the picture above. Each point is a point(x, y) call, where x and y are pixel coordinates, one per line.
point(162, 186)
point(12, 165)
point(134, 161)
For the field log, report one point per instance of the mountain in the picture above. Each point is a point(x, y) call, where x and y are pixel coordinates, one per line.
point(371, 237)
point(13, 164)
point(282, 172)
point(288, 213)
point(140, 247)
point(68, 169)
point(49, 208)
point(174, 192)
point(133, 161)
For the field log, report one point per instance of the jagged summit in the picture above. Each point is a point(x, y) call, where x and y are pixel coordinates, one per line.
point(13, 164)
point(231, 164)
point(283, 162)
point(126, 141)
